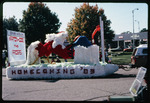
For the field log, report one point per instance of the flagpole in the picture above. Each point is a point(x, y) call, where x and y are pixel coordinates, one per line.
point(102, 39)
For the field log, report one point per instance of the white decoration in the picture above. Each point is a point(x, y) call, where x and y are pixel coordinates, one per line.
point(32, 53)
point(58, 39)
point(88, 55)
point(60, 70)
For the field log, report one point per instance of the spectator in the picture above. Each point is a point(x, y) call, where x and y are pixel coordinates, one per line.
point(58, 60)
point(100, 56)
point(42, 61)
point(65, 60)
point(106, 56)
point(4, 58)
point(53, 61)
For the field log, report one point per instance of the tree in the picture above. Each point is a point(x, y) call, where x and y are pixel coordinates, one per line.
point(37, 21)
point(10, 24)
point(85, 20)
point(144, 30)
point(127, 32)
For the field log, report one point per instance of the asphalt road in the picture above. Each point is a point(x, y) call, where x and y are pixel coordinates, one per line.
point(95, 89)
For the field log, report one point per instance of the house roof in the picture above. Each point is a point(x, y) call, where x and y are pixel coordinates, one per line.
point(142, 35)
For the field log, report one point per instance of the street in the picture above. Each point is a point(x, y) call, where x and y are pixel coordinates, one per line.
point(93, 89)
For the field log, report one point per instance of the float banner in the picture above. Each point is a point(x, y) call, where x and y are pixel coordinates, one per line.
point(60, 70)
point(16, 47)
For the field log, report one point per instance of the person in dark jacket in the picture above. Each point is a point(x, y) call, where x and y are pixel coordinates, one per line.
point(58, 60)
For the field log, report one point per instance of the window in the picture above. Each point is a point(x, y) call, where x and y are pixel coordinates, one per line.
point(144, 51)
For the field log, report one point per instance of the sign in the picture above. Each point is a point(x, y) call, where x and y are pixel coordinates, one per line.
point(135, 36)
point(50, 71)
point(54, 71)
point(144, 39)
point(138, 81)
point(16, 47)
point(127, 40)
point(120, 37)
point(60, 70)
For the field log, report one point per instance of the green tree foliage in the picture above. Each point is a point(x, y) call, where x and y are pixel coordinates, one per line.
point(37, 21)
point(10, 24)
point(144, 30)
point(85, 20)
point(127, 32)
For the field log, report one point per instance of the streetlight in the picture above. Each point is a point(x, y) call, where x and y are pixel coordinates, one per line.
point(138, 25)
point(133, 22)
point(133, 17)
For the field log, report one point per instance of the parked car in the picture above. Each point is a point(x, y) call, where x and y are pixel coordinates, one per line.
point(116, 49)
point(139, 56)
point(128, 50)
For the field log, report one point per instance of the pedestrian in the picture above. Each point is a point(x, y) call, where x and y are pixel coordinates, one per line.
point(100, 57)
point(42, 61)
point(53, 61)
point(4, 58)
point(65, 60)
point(106, 56)
point(58, 60)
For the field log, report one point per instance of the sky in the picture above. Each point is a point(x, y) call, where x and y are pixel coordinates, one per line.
point(120, 14)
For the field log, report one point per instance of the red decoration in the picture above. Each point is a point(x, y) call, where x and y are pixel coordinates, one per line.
point(95, 31)
point(46, 50)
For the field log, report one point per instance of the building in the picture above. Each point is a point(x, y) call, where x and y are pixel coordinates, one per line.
point(132, 39)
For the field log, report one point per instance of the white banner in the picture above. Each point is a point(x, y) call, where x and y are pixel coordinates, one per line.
point(16, 47)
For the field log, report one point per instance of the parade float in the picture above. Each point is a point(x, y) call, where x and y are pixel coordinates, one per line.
point(86, 60)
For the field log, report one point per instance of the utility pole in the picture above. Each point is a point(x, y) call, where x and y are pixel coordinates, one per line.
point(102, 39)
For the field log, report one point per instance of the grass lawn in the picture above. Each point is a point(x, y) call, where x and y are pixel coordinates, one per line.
point(62, 60)
point(121, 58)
